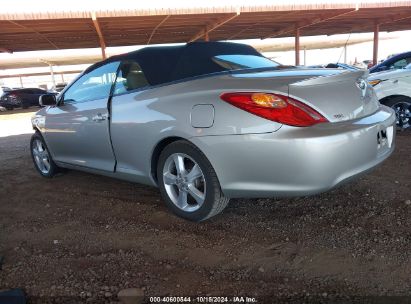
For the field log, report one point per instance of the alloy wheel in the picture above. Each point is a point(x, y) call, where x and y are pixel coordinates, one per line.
point(403, 114)
point(41, 156)
point(184, 182)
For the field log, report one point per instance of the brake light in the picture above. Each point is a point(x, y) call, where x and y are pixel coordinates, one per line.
point(275, 107)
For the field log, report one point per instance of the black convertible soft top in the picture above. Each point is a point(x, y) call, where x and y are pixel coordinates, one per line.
point(163, 64)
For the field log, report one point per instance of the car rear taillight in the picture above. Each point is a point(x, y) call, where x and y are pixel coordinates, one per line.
point(275, 107)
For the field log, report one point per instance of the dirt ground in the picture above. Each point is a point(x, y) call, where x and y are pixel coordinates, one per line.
point(82, 238)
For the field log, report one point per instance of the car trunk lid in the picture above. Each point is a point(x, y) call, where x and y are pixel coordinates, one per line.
point(338, 97)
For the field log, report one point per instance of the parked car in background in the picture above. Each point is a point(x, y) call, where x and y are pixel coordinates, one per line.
point(364, 65)
point(394, 62)
point(210, 121)
point(4, 89)
point(367, 63)
point(337, 65)
point(58, 88)
point(21, 98)
point(393, 89)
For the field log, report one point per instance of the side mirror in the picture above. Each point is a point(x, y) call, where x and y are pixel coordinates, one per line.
point(47, 100)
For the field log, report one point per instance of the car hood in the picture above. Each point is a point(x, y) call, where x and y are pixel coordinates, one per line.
point(390, 74)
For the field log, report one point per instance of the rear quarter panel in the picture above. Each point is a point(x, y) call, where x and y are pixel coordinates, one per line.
point(140, 120)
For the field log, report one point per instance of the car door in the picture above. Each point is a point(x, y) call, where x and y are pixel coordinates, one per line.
point(131, 117)
point(77, 129)
point(25, 95)
point(30, 96)
point(35, 95)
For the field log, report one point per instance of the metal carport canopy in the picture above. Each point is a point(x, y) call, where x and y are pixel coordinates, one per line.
point(49, 28)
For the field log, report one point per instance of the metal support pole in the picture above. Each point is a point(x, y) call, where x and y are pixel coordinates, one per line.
point(103, 52)
point(21, 81)
point(345, 53)
point(100, 35)
point(375, 47)
point(62, 78)
point(297, 46)
point(206, 38)
point(52, 75)
point(305, 56)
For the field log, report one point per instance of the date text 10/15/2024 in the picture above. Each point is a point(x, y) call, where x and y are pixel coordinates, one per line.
point(199, 299)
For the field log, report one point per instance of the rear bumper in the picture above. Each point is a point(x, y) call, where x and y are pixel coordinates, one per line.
point(9, 104)
point(299, 161)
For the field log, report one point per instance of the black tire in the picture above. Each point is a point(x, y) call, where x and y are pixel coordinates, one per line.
point(401, 104)
point(214, 202)
point(54, 169)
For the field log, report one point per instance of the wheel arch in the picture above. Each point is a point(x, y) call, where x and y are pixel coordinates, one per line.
point(38, 131)
point(386, 99)
point(157, 151)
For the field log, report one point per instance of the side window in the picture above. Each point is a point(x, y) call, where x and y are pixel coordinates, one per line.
point(93, 85)
point(130, 77)
point(399, 64)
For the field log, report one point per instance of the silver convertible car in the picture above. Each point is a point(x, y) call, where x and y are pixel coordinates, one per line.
point(210, 121)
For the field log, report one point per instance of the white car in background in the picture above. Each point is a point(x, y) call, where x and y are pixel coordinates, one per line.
point(393, 89)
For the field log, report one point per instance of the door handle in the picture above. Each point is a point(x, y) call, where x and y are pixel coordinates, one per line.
point(99, 117)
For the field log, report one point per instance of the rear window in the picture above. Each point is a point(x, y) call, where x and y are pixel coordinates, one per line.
point(237, 62)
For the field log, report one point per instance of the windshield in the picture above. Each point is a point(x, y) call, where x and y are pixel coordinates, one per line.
point(237, 62)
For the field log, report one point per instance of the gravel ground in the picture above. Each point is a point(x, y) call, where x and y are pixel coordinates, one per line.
point(83, 238)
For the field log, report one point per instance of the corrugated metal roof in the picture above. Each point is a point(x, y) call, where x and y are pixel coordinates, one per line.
point(46, 9)
point(33, 25)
